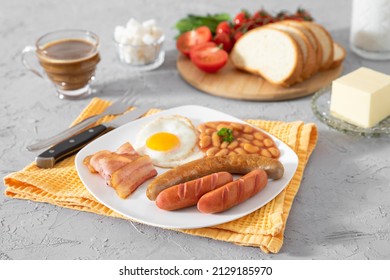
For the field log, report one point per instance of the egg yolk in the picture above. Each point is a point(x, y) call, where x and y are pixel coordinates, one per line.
point(162, 141)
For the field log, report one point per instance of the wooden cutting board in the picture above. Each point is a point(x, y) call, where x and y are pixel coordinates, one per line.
point(232, 83)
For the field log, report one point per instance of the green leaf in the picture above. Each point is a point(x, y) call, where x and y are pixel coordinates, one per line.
point(226, 134)
point(193, 21)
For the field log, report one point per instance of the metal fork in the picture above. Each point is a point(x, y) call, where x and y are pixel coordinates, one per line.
point(118, 107)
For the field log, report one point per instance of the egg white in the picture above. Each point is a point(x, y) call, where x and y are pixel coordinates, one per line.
point(177, 125)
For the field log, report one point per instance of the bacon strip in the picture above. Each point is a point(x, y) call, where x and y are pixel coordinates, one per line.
point(124, 170)
point(127, 179)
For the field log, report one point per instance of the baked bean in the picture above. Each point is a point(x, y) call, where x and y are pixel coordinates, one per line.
point(258, 143)
point(233, 145)
point(211, 125)
point(265, 153)
point(205, 141)
point(236, 126)
point(220, 126)
point(247, 140)
point(222, 152)
point(224, 144)
point(259, 136)
point(250, 148)
point(236, 133)
point(242, 140)
point(248, 136)
point(215, 139)
point(268, 142)
point(212, 151)
point(248, 129)
point(275, 152)
point(240, 151)
point(202, 128)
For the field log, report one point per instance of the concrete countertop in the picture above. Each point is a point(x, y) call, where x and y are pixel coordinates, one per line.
point(345, 188)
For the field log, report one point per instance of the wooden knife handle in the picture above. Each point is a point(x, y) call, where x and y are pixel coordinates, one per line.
point(69, 146)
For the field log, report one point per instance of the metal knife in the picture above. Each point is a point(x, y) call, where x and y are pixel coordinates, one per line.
point(73, 144)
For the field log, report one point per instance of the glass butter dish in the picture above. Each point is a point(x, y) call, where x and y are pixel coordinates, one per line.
point(320, 105)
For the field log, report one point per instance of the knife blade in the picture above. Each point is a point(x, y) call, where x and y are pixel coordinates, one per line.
point(73, 144)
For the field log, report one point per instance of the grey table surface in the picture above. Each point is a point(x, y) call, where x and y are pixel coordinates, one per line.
point(342, 209)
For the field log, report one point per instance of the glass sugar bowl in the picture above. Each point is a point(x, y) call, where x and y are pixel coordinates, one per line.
point(140, 45)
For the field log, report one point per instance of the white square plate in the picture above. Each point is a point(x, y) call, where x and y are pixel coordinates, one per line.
point(139, 208)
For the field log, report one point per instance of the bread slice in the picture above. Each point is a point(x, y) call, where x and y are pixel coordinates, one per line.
point(339, 55)
point(312, 39)
point(326, 42)
point(309, 59)
point(268, 52)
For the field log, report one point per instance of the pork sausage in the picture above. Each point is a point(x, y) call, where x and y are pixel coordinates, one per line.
point(235, 164)
point(233, 193)
point(188, 193)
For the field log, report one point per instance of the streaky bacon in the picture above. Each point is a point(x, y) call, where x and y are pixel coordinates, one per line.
point(127, 179)
point(128, 149)
point(124, 170)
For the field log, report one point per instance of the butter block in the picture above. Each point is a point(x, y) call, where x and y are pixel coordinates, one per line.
point(361, 97)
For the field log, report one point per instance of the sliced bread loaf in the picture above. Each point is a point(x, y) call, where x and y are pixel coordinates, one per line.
point(326, 42)
point(339, 55)
point(309, 58)
point(312, 39)
point(269, 52)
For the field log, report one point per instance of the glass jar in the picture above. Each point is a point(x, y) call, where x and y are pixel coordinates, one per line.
point(370, 29)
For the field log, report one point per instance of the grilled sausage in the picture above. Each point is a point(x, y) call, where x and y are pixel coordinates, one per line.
point(233, 193)
point(187, 194)
point(235, 164)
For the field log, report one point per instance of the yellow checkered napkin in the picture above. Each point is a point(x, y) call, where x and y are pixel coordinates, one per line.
point(263, 228)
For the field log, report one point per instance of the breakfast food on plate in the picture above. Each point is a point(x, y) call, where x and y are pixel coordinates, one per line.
point(361, 97)
point(223, 138)
point(168, 140)
point(124, 170)
point(188, 193)
point(233, 193)
point(235, 164)
point(199, 164)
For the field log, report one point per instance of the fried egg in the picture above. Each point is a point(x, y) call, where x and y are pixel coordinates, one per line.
point(169, 141)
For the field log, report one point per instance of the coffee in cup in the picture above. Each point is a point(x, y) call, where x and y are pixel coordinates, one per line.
point(69, 60)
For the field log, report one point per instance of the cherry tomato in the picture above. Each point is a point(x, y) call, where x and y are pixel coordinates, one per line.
point(250, 24)
point(303, 14)
point(240, 18)
point(223, 27)
point(281, 15)
point(208, 57)
point(224, 40)
point(262, 14)
point(293, 17)
point(191, 38)
point(237, 35)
